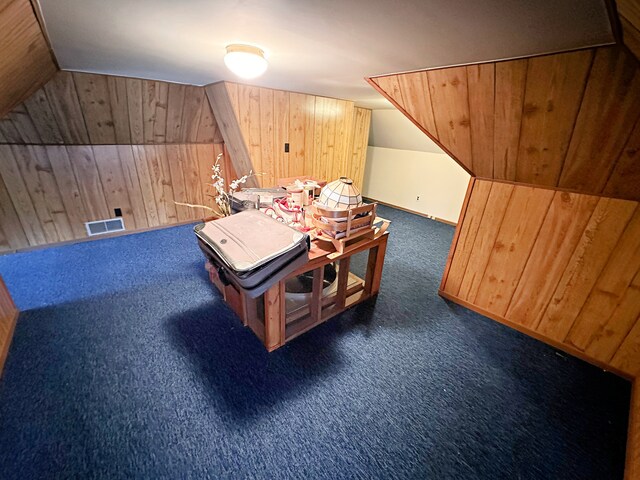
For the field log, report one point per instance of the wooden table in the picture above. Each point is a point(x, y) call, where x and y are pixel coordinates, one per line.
point(276, 321)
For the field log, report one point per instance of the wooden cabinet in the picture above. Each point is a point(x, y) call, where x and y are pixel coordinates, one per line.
point(275, 319)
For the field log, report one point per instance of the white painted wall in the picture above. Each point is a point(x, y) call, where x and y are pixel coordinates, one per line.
point(400, 177)
point(404, 164)
point(391, 129)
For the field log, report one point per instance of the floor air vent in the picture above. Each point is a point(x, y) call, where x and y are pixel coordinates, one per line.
point(101, 227)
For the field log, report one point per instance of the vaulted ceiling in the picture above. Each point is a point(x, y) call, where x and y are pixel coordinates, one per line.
point(319, 47)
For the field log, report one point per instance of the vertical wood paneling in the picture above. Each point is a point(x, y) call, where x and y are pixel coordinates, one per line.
point(20, 197)
point(93, 92)
point(606, 340)
point(89, 183)
point(9, 222)
point(176, 167)
point(113, 183)
point(41, 114)
point(24, 125)
point(132, 182)
point(249, 104)
point(65, 105)
point(135, 110)
point(450, 101)
point(175, 103)
point(119, 109)
point(69, 190)
point(565, 120)
point(513, 244)
point(553, 92)
point(626, 357)
point(466, 238)
point(191, 172)
point(28, 167)
point(416, 98)
point(607, 223)
point(266, 122)
point(610, 109)
point(481, 80)
point(359, 141)
point(154, 111)
point(160, 173)
point(625, 179)
point(39, 178)
point(208, 131)
point(509, 98)
point(609, 289)
point(80, 109)
point(191, 113)
point(563, 226)
point(26, 62)
point(569, 274)
point(325, 135)
point(140, 154)
point(485, 240)
point(281, 160)
point(391, 85)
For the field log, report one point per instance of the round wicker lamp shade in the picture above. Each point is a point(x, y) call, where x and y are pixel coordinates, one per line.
point(340, 194)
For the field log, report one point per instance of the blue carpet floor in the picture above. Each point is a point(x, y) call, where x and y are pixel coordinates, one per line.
point(126, 364)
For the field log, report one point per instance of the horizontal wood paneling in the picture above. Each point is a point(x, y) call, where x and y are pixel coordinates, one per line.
point(47, 193)
point(567, 120)
point(563, 266)
point(25, 62)
point(8, 317)
point(327, 137)
point(82, 108)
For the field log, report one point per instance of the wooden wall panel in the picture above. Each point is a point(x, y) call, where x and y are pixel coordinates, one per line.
point(567, 120)
point(450, 103)
point(8, 317)
point(629, 13)
point(563, 267)
point(327, 137)
point(553, 93)
point(359, 142)
point(26, 62)
point(47, 193)
point(89, 109)
point(510, 81)
point(609, 111)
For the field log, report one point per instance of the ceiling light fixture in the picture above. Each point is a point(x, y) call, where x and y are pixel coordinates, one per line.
point(245, 61)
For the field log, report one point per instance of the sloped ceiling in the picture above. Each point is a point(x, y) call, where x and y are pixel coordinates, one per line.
point(319, 47)
point(25, 60)
point(568, 121)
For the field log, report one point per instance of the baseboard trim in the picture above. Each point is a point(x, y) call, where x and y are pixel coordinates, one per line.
point(531, 333)
point(98, 237)
point(430, 217)
point(632, 461)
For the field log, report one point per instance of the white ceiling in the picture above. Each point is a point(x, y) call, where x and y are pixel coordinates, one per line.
point(324, 47)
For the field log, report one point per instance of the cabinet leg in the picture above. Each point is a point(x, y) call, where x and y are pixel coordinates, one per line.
point(274, 316)
point(343, 277)
point(374, 267)
point(316, 295)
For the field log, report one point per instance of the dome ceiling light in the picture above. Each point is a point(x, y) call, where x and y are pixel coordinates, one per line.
point(246, 61)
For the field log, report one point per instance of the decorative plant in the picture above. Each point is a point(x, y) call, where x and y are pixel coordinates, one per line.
point(222, 197)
